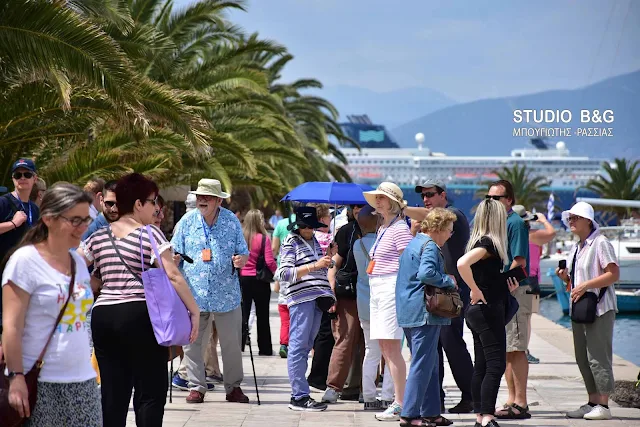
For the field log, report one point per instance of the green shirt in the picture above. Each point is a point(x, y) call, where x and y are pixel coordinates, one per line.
point(281, 231)
point(517, 239)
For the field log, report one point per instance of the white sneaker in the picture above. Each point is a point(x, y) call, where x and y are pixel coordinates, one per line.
point(580, 412)
point(598, 413)
point(392, 413)
point(330, 396)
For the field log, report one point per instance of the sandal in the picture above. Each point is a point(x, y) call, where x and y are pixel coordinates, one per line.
point(522, 414)
point(406, 422)
point(438, 420)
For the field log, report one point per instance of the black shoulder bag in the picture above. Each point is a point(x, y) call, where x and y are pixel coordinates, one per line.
point(346, 281)
point(584, 310)
point(263, 273)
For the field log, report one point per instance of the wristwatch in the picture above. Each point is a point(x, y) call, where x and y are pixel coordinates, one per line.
point(14, 374)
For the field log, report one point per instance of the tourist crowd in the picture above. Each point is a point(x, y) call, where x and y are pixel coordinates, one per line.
point(75, 268)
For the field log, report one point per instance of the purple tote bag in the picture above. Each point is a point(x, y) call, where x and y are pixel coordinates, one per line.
point(169, 316)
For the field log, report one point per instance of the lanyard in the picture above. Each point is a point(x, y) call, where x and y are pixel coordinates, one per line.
point(30, 218)
point(379, 239)
point(575, 259)
point(206, 230)
point(313, 251)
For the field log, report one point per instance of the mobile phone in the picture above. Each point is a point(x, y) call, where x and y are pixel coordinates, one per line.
point(562, 264)
point(517, 273)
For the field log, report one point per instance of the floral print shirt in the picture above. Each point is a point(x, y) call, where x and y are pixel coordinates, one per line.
point(214, 284)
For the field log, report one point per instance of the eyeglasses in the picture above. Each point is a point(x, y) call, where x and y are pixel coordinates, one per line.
point(207, 198)
point(18, 175)
point(430, 194)
point(304, 227)
point(573, 218)
point(109, 204)
point(494, 197)
point(77, 221)
point(154, 201)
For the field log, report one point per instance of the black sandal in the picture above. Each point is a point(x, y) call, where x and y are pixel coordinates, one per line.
point(438, 420)
point(511, 415)
point(406, 422)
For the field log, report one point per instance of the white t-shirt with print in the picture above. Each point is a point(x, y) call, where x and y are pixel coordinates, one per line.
point(68, 357)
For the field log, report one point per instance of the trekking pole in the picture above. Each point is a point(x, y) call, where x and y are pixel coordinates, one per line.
point(171, 376)
point(246, 330)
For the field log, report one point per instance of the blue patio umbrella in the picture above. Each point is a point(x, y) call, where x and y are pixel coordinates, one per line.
point(335, 193)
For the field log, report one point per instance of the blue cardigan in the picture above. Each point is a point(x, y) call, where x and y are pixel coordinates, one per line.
point(417, 268)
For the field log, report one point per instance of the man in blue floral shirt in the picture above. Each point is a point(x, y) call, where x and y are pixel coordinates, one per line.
point(212, 238)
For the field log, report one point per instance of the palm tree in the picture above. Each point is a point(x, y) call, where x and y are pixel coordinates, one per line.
point(622, 182)
point(528, 188)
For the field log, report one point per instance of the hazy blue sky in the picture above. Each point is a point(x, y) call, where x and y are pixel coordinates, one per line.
point(465, 49)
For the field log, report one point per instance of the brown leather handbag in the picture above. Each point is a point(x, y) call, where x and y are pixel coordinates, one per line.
point(9, 416)
point(442, 302)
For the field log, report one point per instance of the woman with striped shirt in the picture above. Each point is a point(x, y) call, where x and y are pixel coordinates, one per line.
point(393, 236)
point(308, 294)
point(126, 348)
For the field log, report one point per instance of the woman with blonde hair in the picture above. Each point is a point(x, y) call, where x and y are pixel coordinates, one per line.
point(481, 269)
point(392, 238)
point(422, 264)
point(255, 288)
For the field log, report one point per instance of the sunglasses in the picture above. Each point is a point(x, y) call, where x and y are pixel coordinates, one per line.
point(109, 204)
point(18, 175)
point(573, 218)
point(494, 197)
point(304, 227)
point(77, 221)
point(430, 194)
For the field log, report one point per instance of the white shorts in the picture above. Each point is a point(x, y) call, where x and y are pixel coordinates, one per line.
point(384, 322)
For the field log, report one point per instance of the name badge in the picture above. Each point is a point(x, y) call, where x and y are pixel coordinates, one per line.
point(371, 265)
point(206, 255)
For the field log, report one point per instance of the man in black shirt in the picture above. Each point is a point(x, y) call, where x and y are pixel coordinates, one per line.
point(17, 212)
point(434, 195)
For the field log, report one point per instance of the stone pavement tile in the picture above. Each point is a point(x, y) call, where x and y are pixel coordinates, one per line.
point(555, 387)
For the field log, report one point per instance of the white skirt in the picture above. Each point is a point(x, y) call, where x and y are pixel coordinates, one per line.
point(384, 322)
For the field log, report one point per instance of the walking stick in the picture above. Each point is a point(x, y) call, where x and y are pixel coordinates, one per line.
point(171, 376)
point(246, 330)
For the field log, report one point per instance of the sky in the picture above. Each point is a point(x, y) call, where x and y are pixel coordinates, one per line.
point(468, 50)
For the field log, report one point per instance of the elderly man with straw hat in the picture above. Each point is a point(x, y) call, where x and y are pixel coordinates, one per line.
point(212, 237)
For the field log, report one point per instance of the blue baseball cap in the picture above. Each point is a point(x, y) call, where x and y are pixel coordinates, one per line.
point(24, 163)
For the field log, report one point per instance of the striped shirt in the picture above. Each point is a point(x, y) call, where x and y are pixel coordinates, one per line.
point(118, 284)
point(296, 252)
point(388, 247)
point(596, 254)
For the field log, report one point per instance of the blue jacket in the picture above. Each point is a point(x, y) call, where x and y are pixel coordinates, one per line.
point(417, 268)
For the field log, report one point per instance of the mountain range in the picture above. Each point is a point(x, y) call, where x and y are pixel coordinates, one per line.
point(391, 109)
point(486, 127)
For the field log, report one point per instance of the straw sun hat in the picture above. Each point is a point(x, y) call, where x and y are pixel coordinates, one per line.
point(389, 189)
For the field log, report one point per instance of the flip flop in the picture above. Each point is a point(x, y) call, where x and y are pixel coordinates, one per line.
point(523, 413)
point(406, 422)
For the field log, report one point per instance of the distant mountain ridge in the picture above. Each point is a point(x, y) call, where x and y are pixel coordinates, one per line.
point(391, 108)
point(486, 127)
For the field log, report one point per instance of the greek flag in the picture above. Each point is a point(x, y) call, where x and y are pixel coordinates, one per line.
point(550, 207)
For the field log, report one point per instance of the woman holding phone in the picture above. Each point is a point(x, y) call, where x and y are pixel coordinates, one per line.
point(481, 269)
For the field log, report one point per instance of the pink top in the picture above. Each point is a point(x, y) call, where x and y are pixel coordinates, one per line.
point(386, 250)
point(255, 248)
point(535, 252)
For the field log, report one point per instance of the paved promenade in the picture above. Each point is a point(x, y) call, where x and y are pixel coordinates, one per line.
point(555, 386)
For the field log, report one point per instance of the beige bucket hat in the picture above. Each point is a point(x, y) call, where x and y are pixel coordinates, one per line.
point(210, 187)
point(389, 189)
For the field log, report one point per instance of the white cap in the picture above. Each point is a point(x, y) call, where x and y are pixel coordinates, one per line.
point(582, 209)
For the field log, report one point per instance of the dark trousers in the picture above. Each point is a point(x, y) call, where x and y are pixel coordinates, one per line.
point(129, 357)
point(322, 349)
point(260, 292)
point(457, 354)
point(486, 322)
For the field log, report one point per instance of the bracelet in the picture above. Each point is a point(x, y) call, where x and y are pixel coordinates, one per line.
point(14, 224)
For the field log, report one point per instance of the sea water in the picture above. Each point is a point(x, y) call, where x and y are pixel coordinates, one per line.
point(626, 332)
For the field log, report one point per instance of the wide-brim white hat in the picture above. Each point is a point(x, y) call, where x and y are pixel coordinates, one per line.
point(389, 189)
point(210, 187)
point(583, 209)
